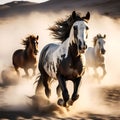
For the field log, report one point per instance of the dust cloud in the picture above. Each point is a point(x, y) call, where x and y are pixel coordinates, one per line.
point(13, 30)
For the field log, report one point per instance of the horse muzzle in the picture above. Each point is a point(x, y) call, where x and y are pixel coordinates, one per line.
point(82, 49)
point(103, 51)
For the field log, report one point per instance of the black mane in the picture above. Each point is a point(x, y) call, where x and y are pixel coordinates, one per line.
point(27, 40)
point(61, 29)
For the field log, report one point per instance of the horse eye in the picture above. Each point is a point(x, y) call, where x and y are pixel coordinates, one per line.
point(36, 42)
point(32, 41)
point(99, 43)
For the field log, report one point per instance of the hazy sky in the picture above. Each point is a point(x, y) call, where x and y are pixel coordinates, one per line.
point(6, 1)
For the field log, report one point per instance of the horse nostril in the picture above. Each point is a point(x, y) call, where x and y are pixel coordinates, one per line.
point(85, 46)
point(103, 51)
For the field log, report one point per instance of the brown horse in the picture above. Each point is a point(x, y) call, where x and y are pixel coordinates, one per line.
point(26, 58)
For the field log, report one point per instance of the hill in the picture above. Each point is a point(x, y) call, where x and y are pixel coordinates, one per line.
point(105, 7)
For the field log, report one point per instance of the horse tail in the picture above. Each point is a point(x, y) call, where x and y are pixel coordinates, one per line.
point(42, 78)
point(39, 81)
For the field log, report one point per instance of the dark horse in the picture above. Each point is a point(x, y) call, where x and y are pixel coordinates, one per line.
point(26, 58)
point(64, 61)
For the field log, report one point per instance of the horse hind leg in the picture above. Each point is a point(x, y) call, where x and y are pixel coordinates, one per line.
point(16, 69)
point(46, 83)
point(65, 94)
point(44, 80)
point(75, 94)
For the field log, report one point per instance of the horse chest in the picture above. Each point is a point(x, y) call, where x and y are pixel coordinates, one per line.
point(30, 62)
point(99, 61)
point(71, 69)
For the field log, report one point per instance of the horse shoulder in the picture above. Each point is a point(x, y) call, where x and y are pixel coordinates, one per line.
point(48, 59)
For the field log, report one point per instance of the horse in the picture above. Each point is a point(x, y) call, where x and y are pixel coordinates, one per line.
point(26, 58)
point(64, 61)
point(95, 55)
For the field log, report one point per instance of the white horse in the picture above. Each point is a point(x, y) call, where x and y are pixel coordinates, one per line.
point(95, 55)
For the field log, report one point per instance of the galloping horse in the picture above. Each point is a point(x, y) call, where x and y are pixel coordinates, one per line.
point(64, 61)
point(95, 55)
point(26, 58)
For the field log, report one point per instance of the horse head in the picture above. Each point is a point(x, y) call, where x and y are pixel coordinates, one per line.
point(79, 31)
point(33, 43)
point(99, 43)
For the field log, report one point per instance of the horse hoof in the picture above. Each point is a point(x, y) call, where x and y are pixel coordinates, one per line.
point(70, 102)
point(25, 76)
point(60, 102)
point(77, 97)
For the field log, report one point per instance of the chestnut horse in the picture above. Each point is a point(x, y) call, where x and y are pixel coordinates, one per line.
point(26, 58)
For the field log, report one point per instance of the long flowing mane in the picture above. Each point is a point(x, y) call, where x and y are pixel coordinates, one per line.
point(96, 38)
point(25, 42)
point(61, 29)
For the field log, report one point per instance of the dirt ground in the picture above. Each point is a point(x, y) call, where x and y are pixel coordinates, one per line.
point(110, 98)
point(99, 100)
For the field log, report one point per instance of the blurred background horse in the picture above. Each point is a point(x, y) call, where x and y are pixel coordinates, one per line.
point(95, 55)
point(26, 58)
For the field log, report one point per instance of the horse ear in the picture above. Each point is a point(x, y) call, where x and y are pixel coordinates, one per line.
point(104, 36)
point(37, 37)
point(87, 17)
point(73, 14)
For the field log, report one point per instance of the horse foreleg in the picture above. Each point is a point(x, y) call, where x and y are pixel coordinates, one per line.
point(96, 75)
point(65, 95)
point(104, 70)
point(26, 72)
point(39, 85)
point(34, 71)
point(16, 69)
point(75, 94)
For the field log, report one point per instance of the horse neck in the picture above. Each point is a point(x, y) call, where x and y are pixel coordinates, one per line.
point(29, 53)
point(68, 47)
point(73, 51)
point(98, 53)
